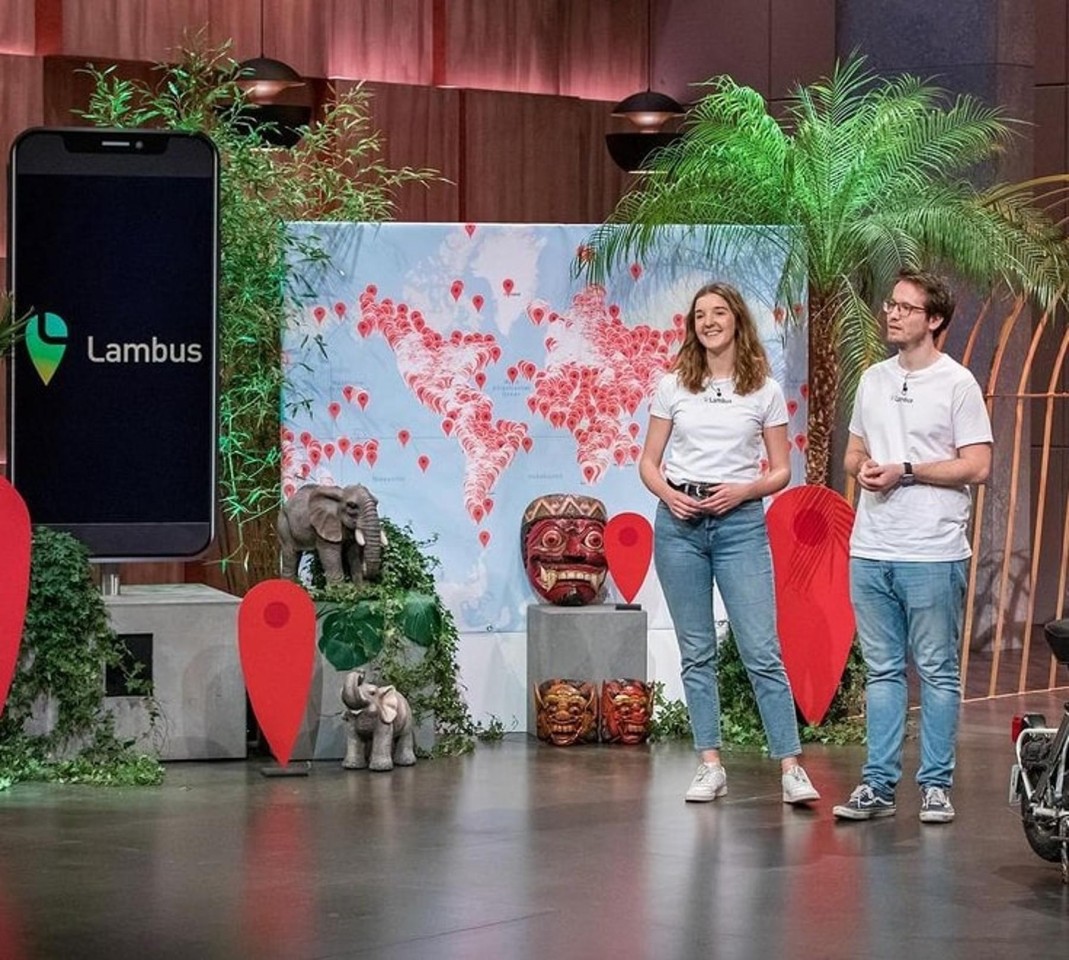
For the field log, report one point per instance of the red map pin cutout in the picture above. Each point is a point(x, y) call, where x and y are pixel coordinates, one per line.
point(809, 531)
point(14, 581)
point(628, 549)
point(276, 640)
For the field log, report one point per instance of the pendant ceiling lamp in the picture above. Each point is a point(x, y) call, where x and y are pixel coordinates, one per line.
point(264, 78)
point(647, 112)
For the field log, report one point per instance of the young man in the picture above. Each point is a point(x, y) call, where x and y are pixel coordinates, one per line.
point(919, 435)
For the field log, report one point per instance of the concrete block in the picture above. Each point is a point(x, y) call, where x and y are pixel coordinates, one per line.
point(196, 671)
point(597, 642)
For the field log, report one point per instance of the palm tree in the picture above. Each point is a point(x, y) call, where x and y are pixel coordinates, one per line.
point(873, 175)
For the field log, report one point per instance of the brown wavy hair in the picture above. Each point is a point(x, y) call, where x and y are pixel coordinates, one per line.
point(751, 361)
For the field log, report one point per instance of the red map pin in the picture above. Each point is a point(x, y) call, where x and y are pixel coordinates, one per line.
point(276, 640)
point(809, 532)
point(628, 549)
point(14, 581)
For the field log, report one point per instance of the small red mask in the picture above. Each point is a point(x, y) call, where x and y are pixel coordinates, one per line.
point(563, 543)
point(626, 709)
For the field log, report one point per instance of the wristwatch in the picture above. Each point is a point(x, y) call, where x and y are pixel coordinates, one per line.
point(908, 476)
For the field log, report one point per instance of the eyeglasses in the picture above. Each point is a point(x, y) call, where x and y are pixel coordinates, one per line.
point(904, 309)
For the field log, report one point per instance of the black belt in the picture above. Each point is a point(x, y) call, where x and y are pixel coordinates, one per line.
point(697, 490)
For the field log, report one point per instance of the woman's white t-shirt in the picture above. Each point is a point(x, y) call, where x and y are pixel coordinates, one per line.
point(716, 434)
point(920, 416)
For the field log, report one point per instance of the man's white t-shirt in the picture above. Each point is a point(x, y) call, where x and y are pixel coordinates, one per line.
point(919, 416)
point(716, 434)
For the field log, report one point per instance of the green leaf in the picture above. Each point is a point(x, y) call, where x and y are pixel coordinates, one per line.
point(352, 635)
point(421, 620)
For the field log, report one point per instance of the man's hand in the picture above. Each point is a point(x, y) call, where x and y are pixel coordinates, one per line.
point(879, 477)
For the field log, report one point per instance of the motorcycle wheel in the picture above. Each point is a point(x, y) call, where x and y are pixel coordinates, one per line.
point(1042, 837)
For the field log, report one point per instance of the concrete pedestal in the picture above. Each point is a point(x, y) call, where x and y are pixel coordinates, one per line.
point(323, 733)
point(596, 642)
point(196, 671)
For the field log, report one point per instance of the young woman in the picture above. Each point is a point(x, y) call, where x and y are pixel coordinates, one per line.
point(708, 419)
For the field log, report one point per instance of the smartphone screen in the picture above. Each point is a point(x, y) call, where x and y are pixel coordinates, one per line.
point(113, 257)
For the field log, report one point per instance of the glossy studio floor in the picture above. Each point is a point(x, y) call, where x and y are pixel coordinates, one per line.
point(521, 850)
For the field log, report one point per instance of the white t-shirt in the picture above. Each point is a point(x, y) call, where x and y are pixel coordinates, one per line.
point(919, 416)
point(716, 434)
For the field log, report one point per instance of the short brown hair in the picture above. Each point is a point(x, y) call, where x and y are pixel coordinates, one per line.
point(937, 293)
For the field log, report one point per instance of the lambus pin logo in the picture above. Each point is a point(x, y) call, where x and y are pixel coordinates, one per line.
point(46, 342)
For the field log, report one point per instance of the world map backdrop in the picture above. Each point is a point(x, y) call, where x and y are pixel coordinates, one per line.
point(461, 370)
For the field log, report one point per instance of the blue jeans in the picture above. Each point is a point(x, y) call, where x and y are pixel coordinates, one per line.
point(913, 609)
point(733, 551)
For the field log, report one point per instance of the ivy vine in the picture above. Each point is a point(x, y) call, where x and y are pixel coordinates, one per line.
point(400, 629)
point(67, 644)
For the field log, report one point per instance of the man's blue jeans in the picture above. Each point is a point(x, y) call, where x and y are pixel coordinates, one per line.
point(910, 609)
point(732, 550)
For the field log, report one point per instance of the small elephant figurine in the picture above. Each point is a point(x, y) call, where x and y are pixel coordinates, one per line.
point(379, 722)
point(341, 524)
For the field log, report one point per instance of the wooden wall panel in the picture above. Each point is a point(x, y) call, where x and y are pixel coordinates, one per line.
point(602, 183)
point(67, 87)
point(604, 49)
point(21, 106)
point(17, 30)
point(1050, 41)
point(420, 128)
point(512, 45)
point(734, 40)
point(297, 32)
point(802, 43)
point(386, 40)
point(130, 29)
point(521, 159)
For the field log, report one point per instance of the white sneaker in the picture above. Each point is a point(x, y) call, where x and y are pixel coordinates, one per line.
point(797, 787)
point(709, 783)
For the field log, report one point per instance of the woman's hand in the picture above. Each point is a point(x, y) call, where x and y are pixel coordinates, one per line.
point(681, 505)
point(725, 497)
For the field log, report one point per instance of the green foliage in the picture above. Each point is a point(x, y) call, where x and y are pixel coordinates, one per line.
point(670, 720)
point(401, 629)
point(740, 720)
point(873, 174)
point(10, 329)
point(335, 172)
point(67, 644)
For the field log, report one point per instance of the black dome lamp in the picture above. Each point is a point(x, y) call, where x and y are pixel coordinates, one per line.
point(647, 112)
point(263, 79)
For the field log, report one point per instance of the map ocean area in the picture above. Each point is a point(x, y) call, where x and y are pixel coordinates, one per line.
point(461, 370)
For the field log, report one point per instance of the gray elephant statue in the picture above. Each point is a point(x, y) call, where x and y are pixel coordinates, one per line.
point(378, 726)
point(341, 524)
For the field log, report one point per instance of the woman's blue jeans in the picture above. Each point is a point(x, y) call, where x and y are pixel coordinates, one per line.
point(915, 610)
point(733, 551)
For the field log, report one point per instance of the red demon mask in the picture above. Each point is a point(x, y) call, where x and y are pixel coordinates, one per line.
point(563, 542)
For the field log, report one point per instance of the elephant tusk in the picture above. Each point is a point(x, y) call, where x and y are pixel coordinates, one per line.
point(360, 537)
point(384, 543)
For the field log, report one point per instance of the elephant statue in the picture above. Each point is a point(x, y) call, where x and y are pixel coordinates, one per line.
point(379, 726)
point(341, 524)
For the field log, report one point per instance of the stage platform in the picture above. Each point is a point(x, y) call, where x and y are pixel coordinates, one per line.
point(523, 850)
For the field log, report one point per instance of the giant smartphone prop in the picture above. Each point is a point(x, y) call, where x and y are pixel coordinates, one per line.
point(113, 255)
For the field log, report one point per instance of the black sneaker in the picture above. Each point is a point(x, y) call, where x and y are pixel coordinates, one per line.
point(864, 804)
point(935, 805)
